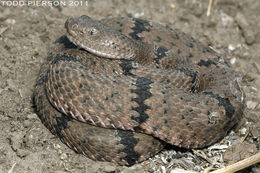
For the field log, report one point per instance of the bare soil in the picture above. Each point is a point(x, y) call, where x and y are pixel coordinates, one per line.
point(27, 33)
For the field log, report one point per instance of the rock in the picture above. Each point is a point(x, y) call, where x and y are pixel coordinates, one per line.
point(255, 131)
point(239, 151)
point(247, 30)
point(233, 61)
point(27, 123)
point(227, 21)
point(251, 105)
point(32, 116)
point(29, 140)
point(12, 85)
point(231, 47)
point(256, 170)
point(63, 156)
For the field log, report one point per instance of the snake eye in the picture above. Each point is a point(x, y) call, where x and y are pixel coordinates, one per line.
point(93, 31)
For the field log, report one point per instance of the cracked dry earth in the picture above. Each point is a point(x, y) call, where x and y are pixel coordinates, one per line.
point(27, 33)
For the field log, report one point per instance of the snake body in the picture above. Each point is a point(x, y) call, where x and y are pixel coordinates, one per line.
point(119, 89)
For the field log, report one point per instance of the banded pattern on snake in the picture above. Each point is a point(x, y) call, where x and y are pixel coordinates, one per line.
point(118, 89)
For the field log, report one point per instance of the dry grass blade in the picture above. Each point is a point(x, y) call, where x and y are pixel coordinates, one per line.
point(12, 168)
point(204, 156)
point(209, 7)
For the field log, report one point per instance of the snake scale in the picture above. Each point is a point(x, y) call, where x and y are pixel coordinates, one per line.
point(119, 89)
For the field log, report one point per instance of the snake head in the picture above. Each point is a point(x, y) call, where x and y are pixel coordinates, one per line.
point(84, 27)
point(99, 39)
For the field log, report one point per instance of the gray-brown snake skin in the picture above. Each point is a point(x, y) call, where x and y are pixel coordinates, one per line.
point(151, 86)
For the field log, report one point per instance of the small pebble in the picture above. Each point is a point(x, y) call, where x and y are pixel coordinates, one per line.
point(32, 116)
point(172, 153)
point(253, 88)
point(226, 20)
point(197, 168)
point(12, 85)
point(231, 47)
point(243, 131)
point(59, 151)
point(112, 168)
point(247, 29)
point(27, 123)
point(137, 15)
point(63, 156)
point(255, 131)
point(251, 105)
point(233, 60)
point(56, 146)
point(28, 140)
point(172, 5)
point(10, 21)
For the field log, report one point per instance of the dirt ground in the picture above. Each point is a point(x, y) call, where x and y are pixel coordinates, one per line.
point(27, 33)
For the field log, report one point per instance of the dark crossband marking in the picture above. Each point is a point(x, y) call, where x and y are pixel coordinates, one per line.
point(140, 26)
point(143, 93)
point(129, 142)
